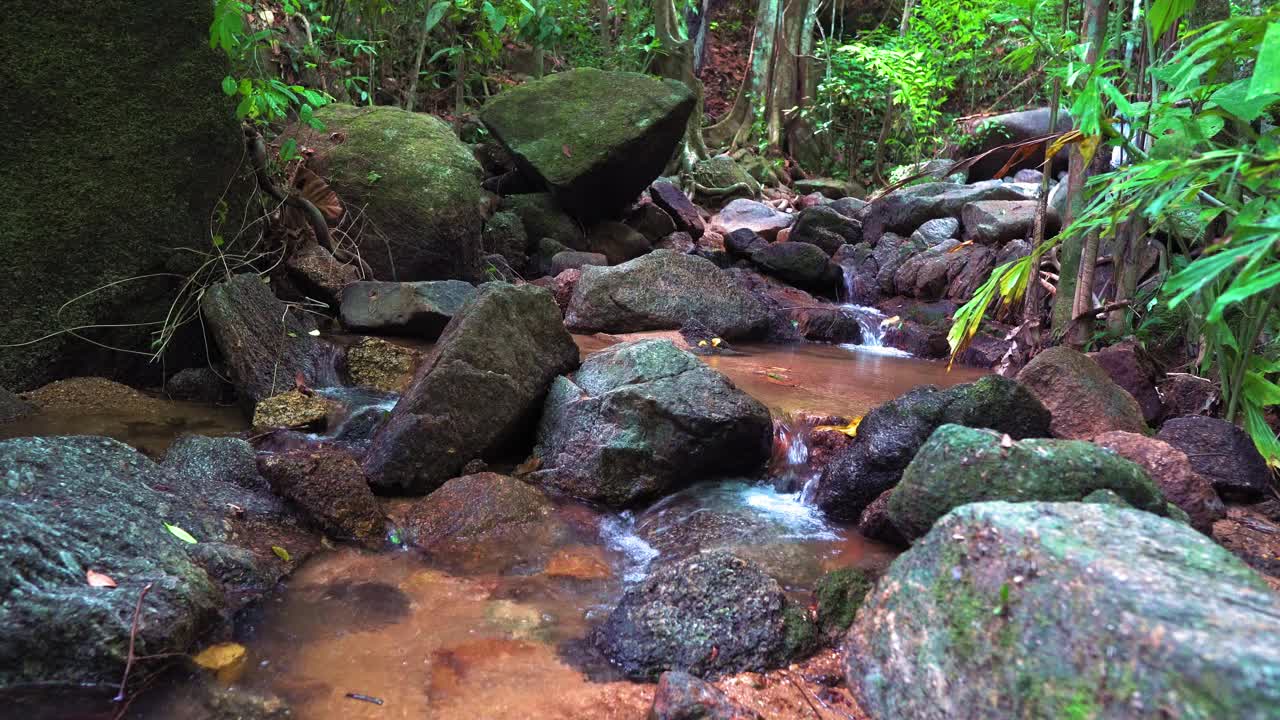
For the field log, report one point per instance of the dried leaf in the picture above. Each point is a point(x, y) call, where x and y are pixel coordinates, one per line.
point(316, 191)
point(181, 534)
point(225, 659)
point(97, 579)
point(281, 553)
point(567, 152)
point(1006, 441)
point(851, 429)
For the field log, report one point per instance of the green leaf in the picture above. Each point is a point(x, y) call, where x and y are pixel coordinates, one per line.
point(228, 85)
point(289, 150)
point(1266, 73)
point(434, 15)
point(497, 21)
point(218, 241)
point(1164, 13)
point(246, 86)
point(179, 533)
point(1238, 99)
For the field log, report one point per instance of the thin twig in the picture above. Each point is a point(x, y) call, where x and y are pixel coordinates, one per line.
point(133, 637)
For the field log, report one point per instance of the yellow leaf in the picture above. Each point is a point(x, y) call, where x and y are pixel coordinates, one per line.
point(280, 552)
point(851, 429)
point(715, 342)
point(227, 660)
point(702, 343)
point(1088, 147)
point(97, 579)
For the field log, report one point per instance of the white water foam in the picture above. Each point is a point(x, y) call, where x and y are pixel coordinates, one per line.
point(618, 534)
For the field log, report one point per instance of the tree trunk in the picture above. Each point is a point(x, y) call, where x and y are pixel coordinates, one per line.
point(606, 36)
point(735, 129)
point(675, 61)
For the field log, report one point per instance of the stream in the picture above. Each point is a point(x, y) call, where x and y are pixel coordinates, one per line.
point(499, 630)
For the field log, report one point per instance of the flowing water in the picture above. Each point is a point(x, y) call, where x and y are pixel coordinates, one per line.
point(501, 631)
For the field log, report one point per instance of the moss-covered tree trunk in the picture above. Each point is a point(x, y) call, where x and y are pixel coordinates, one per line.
point(676, 62)
point(120, 149)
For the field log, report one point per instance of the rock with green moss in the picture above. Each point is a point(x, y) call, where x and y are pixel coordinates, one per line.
point(415, 185)
point(1066, 611)
point(77, 504)
point(711, 614)
point(543, 217)
point(960, 465)
point(838, 596)
point(112, 170)
point(890, 435)
point(721, 178)
point(596, 139)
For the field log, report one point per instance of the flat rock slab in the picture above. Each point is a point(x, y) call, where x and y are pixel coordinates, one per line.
point(763, 220)
point(421, 309)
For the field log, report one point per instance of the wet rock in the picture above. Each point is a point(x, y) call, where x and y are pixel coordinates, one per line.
point(889, 436)
point(617, 242)
point(416, 185)
point(828, 187)
point(1182, 394)
point(644, 418)
point(266, 345)
point(1000, 130)
point(986, 351)
point(505, 235)
point(1252, 537)
point(681, 696)
point(200, 384)
point(575, 260)
point(318, 274)
point(294, 410)
point(860, 267)
point(826, 228)
point(721, 172)
point(1130, 368)
point(800, 264)
point(902, 211)
point(235, 703)
point(875, 523)
point(216, 460)
point(107, 194)
point(13, 407)
point(1084, 401)
point(662, 291)
point(752, 215)
point(1027, 175)
point(650, 221)
point(711, 247)
point(679, 242)
point(922, 341)
point(850, 207)
point(682, 210)
point(594, 153)
point(467, 399)
point(935, 231)
point(543, 218)
point(948, 269)
point(104, 507)
point(545, 251)
point(330, 489)
point(709, 615)
point(421, 309)
point(476, 508)
point(1171, 471)
point(380, 365)
point(890, 253)
point(562, 286)
point(967, 273)
point(1221, 452)
point(579, 563)
point(994, 222)
point(1070, 597)
point(837, 597)
point(828, 323)
point(960, 465)
point(742, 242)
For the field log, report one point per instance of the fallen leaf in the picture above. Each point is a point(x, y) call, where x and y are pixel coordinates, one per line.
point(97, 579)
point(890, 321)
point(281, 553)
point(1006, 441)
point(851, 429)
point(314, 333)
point(567, 152)
point(181, 534)
point(225, 659)
point(715, 342)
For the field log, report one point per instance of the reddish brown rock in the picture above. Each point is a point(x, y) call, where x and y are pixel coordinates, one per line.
point(562, 285)
point(679, 241)
point(1083, 399)
point(678, 206)
point(681, 696)
point(1130, 368)
point(330, 488)
point(476, 508)
point(1183, 394)
point(1223, 453)
point(1253, 538)
point(1169, 468)
point(874, 522)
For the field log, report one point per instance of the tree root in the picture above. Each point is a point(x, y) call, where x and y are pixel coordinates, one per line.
point(737, 187)
point(258, 154)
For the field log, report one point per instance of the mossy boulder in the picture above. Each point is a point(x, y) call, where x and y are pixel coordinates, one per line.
point(960, 465)
point(838, 596)
point(890, 435)
point(416, 185)
point(112, 170)
point(1066, 611)
point(718, 174)
point(543, 218)
point(709, 615)
point(596, 139)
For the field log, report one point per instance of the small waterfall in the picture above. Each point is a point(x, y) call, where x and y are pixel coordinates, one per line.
point(789, 462)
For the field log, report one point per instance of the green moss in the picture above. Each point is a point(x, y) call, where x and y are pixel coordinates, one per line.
point(839, 594)
point(800, 634)
point(121, 144)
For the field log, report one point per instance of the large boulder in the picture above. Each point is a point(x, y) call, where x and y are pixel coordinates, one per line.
point(594, 153)
point(708, 615)
point(1083, 399)
point(644, 418)
point(995, 222)
point(1065, 610)
point(477, 393)
point(889, 436)
point(72, 505)
point(902, 211)
point(421, 309)
point(417, 187)
point(960, 465)
point(826, 228)
point(994, 132)
point(267, 345)
point(764, 220)
point(948, 269)
point(1170, 469)
point(800, 264)
point(662, 291)
point(1221, 452)
point(112, 172)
